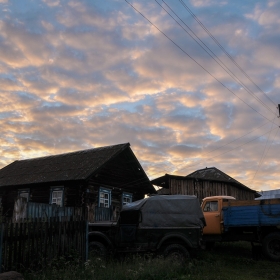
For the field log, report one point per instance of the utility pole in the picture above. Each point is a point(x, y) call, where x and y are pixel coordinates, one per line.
point(279, 110)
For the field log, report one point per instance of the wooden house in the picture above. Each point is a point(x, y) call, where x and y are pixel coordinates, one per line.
point(100, 179)
point(202, 183)
point(271, 194)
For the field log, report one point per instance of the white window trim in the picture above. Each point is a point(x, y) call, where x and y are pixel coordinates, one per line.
point(24, 191)
point(126, 195)
point(105, 191)
point(57, 189)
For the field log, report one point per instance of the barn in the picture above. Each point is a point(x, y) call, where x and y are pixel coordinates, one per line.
point(202, 183)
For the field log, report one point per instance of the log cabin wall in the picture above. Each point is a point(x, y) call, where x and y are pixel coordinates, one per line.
point(75, 195)
point(40, 194)
point(202, 189)
point(92, 200)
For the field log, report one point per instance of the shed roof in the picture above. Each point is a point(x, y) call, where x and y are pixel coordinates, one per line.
point(213, 174)
point(114, 165)
point(207, 174)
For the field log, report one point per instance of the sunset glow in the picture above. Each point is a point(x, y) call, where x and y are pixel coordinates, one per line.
point(76, 75)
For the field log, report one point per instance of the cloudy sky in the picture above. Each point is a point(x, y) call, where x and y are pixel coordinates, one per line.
point(190, 84)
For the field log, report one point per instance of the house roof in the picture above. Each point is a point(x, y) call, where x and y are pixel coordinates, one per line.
point(207, 174)
point(114, 165)
point(163, 181)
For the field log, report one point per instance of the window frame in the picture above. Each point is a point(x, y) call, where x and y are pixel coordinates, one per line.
point(57, 189)
point(208, 207)
point(24, 191)
point(104, 191)
point(126, 195)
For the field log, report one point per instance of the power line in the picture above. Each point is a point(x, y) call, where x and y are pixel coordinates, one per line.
point(236, 139)
point(226, 144)
point(221, 83)
point(212, 54)
point(264, 152)
point(235, 147)
point(209, 74)
point(156, 173)
point(223, 49)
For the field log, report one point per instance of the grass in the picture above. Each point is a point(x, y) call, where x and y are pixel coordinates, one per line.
point(226, 261)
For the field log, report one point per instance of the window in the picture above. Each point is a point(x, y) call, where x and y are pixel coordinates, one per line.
point(211, 206)
point(126, 198)
point(104, 198)
point(24, 193)
point(57, 196)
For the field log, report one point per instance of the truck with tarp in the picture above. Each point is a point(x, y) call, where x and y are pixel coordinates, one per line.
point(170, 225)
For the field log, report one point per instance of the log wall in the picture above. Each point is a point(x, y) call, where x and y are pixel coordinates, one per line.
point(202, 189)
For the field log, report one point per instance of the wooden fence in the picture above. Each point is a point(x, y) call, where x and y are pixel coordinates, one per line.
point(30, 210)
point(35, 243)
point(103, 214)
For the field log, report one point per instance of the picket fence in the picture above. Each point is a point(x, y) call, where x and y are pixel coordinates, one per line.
point(34, 244)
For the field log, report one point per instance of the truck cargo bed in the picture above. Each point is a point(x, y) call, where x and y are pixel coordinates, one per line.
point(251, 213)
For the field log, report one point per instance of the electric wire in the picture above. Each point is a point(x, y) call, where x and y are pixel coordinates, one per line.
point(235, 139)
point(210, 75)
point(226, 144)
point(264, 152)
point(232, 59)
point(221, 83)
point(233, 148)
point(212, 54)
point(187, 167)
point(223, 49)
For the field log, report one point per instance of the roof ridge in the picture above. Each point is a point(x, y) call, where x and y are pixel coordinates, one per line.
point(212, 167)
point(223, 173)
point(74, 152)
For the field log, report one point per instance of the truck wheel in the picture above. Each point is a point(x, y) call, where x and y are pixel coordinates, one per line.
point(97, 250)
point(271, 246)
point(177, 253)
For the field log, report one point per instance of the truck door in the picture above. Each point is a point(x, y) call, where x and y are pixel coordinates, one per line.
point(212, 216)
point(128, 223)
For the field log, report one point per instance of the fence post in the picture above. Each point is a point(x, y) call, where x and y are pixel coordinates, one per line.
point(86, 240)
point(1, 245)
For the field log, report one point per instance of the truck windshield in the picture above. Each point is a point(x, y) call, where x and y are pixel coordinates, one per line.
point(211, 206)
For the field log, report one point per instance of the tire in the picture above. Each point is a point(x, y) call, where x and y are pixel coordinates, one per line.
point(176, 253)
point(97, 250)
point(271, 246)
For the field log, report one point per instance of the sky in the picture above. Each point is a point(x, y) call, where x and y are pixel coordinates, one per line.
point(189, 84)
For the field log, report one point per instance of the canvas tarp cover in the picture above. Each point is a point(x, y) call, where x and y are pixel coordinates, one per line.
point(168, 211)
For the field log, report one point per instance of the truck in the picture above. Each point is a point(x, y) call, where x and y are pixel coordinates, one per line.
point(256, 221)
point(161, 224)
